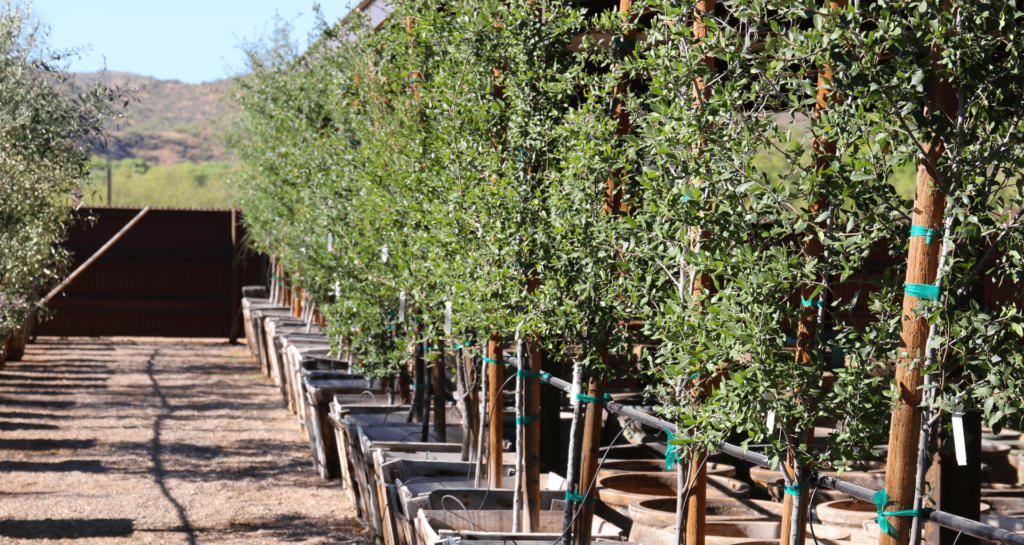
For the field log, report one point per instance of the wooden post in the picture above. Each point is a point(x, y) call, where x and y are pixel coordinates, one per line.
point(697, 503)
point(591, 452)
point(531, 506)
point(495, 380)
point(440, 425)
point(922, 267)
point(236, 274)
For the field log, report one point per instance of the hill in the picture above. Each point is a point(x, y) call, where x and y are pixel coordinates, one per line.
point(173, 122)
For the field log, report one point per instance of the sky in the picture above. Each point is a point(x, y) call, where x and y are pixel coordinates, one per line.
point(187, 40)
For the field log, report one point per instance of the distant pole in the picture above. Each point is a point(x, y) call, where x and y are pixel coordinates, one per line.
point(110, 184)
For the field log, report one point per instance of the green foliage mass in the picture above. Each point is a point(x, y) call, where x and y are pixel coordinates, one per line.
point(45, 130)
point(467, 159)
point(183, 185)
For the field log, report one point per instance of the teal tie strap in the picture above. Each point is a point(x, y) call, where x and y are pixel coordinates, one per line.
point(922, 291)
point(434, 398)
point(354, 142)
point(882, 500)
point(533, 374)
point(417, 386)
point(520, 421)
point(797, 489)
point(496, 362)
point(590, 372)
point(817, 303)
point(579, 498)
point(592, 399)
point(466, 344)
point(918, 231)
point(623, 43)
point(671, 452)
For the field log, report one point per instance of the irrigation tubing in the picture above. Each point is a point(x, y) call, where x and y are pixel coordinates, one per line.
point(946, 520)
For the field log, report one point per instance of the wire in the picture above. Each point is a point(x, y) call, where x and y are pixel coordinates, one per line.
point(490, 415)
point(367, 392)
point(594, 480)
point(446, 496)
point(958, 537)
point(810, 523)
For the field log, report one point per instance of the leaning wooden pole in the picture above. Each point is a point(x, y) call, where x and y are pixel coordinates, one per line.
point(922, 268)
point(495, 413)
point(60, 287)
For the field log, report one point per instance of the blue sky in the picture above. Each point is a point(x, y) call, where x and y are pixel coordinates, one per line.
point(188, 40)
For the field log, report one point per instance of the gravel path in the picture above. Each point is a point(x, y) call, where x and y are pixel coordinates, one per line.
point(131, 440)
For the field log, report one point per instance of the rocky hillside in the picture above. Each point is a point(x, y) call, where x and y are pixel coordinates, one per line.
point(173, 122)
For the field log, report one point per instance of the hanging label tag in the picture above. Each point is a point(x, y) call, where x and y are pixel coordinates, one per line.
point(958, 437)
point(771, 421)
point(330, 242)
point(401, 307)
point(448, 318)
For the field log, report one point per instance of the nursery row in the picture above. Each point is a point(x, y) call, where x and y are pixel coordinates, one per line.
point(695, 199)
point(400, 462)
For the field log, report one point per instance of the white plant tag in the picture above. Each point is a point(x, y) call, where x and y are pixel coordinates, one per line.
point(330, 242)
point(771, 421)
point(401, 307)
point(958, 437)
point(384, 253)
point(448, 318)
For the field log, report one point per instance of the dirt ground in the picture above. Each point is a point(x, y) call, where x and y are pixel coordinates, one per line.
point(131, 440)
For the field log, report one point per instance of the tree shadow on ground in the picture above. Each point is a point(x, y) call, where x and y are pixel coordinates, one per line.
point(295, 529)
point(15, 426)
point(84, 466)
point(47, 444)
point(67, 528)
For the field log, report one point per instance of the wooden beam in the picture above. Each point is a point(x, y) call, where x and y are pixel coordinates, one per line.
point(495, 380)
point(591, 451)
point(922, 268)
point(532, 461)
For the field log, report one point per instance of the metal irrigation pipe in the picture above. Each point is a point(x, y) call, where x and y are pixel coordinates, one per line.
point(946, 520)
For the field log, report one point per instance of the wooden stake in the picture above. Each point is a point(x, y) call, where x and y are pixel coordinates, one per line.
point(591, 452)
point(811, 318)
point(495, 379)
point(922, 267)
point(440, 423)
point(697, 502)
point(531, 442)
